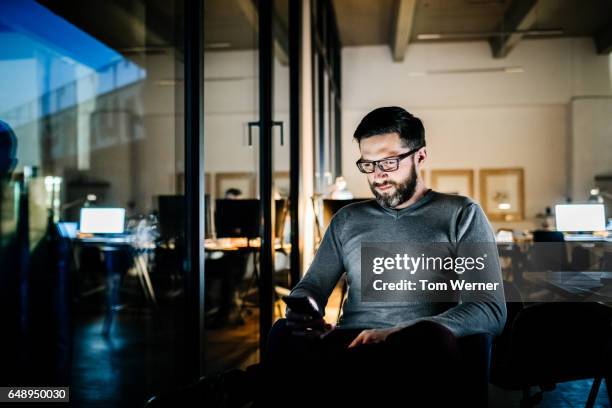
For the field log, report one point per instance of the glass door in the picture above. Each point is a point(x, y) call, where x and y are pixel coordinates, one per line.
point(232, 174)
point(247, 163)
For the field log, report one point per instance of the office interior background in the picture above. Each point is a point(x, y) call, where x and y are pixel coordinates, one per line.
point(178, 162)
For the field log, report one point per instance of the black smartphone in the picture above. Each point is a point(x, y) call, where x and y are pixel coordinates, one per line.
point(304, 305)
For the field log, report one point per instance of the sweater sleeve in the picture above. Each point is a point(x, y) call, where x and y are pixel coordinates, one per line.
point(327, 267)
point(477, 311)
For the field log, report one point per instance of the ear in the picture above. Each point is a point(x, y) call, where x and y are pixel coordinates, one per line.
point(421, 156)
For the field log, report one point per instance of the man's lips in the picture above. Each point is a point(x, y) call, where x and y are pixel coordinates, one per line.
point(384, 187)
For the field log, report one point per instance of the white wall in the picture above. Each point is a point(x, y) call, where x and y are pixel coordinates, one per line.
point(591, 145)
point(231, 92)
point(480, 120)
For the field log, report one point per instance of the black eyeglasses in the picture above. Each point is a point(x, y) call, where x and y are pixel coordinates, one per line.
point(387, 164)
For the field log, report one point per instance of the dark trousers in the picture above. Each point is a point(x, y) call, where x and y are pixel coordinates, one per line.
point(416, 365)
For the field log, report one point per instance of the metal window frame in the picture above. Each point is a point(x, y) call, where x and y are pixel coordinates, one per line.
point(194, 172)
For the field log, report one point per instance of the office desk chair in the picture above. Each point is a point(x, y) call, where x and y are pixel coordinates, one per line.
point(549, 252)
point(548, 343)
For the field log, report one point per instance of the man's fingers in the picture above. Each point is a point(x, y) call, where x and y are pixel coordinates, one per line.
point(358, 340)
point(297, 317)
point(305, 326)
point(305, 323)
point(311, 334)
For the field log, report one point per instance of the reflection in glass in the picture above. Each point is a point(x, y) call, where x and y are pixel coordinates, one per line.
point(95, 103)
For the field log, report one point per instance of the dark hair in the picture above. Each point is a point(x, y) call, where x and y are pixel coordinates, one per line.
point(392, 119)
point(233, 191)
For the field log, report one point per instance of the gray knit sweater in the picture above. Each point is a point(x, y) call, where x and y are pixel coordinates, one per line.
point(435, 218)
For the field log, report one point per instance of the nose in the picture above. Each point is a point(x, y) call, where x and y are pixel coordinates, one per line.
point(378, 173)
point(380, 177)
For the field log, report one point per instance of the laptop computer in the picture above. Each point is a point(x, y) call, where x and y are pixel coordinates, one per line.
point(106, 222)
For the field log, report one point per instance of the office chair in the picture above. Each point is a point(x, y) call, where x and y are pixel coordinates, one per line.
point(475, 353)
point(548, 343)
point(549, 252)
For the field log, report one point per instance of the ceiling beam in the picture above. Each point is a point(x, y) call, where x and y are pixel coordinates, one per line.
point(401, 28)
point(603, 40)
point(280, 32)
point(520, 15)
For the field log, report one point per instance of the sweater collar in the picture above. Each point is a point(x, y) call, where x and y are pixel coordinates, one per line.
point(429, 194)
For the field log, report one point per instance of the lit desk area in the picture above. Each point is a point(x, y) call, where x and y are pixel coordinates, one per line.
point(104, 229)
point(232, 259)
point(236, 244)
point(572, 263)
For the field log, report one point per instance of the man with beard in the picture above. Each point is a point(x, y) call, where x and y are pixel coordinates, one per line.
point(416, 340)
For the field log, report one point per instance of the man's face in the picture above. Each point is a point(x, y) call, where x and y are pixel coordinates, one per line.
point(395, 187)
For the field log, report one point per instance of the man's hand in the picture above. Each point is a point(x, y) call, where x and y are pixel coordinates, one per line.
point(306, 325)
point(372, 336)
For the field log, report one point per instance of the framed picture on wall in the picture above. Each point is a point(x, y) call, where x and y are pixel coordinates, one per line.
point(460, 181)
point(243, 181)
point(502, 194)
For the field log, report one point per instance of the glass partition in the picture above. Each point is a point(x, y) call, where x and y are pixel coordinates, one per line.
point(92, 118)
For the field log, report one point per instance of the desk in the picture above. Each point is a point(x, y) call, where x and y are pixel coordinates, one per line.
point(587, 238)
point(582, 252)
point(109, 246)
point(238, 249)
point(236, 244)
point(594, 286)
point(595, 249)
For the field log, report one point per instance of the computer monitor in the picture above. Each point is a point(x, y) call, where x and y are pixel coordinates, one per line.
point(102, 220)
point(237, 218)
point(580, 217)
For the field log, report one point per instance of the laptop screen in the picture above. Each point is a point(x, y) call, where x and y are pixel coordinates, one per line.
point(102, 220)
point(580, 217)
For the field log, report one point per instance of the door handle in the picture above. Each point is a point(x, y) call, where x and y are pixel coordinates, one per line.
point(282, 130)
point(250, 125)
point(280, 124)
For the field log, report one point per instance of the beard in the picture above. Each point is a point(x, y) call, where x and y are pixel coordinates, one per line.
point(404, 190)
